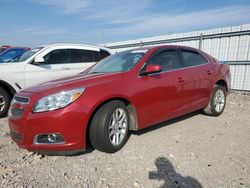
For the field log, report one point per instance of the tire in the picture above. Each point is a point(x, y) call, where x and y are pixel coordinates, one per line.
point(217, 101)
point(4, 102)
point(109, 127)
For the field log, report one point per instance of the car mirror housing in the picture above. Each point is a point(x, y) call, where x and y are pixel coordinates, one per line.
point(38, 60)
point(150, 69)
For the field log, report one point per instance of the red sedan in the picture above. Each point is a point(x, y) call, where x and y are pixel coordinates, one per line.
point(127, 91)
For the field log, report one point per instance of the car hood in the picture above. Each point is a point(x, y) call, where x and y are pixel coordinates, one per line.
point(11, 64)
point(81, 80)
point(7, 68)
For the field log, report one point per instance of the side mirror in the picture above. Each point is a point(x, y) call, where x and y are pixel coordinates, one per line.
point(150, 69)
point(38, 60)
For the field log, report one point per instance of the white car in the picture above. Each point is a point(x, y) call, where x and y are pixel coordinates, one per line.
point(43, 64)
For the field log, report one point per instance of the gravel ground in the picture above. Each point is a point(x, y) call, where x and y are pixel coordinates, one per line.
point(192, 151)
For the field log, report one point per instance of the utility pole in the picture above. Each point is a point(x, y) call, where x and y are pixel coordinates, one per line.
point(200, 41)
point(103, 38)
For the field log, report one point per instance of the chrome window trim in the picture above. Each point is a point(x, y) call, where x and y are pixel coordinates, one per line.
point(139, 76)
point(180, 68)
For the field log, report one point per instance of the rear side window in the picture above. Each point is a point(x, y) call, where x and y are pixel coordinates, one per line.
point(167, 59)
point(81, 56)
point(97, 56)
point(60, 56)
point(104, 53)
point(191, 58)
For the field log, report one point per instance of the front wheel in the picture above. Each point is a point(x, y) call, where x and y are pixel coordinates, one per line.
point(217, 101)
point(4, 102)
point(109, 127)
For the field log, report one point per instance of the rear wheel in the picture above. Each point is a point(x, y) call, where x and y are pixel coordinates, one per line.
point(109, 127)
point(217, 101)
point(4, 102)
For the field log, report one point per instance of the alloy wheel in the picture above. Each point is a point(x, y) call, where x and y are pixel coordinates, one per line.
point(219, 100)
point(2, 102)
point(118, 126)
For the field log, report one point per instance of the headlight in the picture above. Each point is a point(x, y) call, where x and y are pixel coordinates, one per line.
point(58, 100)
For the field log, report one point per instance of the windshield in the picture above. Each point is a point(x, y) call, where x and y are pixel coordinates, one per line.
point(120, 62)
point(29, 53)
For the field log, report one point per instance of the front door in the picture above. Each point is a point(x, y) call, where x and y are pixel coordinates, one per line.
point(160, 95)
point(58, 64)
point(55, 65)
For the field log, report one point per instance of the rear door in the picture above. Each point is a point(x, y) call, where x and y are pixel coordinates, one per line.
point(197, 73)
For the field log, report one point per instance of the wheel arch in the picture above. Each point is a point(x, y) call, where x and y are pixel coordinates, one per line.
point(222, 83)
point(8, 88)
point(133, 123)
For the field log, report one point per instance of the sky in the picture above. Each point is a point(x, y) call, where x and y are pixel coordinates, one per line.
point(37, 22)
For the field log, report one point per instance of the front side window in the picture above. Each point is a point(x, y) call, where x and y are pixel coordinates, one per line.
point(81, 56)
point(191, 58)
point(120, 62)
point(167, 59)
point(60, 56)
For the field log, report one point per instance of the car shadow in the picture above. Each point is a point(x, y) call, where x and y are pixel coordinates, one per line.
point(167, 123)
point(88, 150)
point(166, 172)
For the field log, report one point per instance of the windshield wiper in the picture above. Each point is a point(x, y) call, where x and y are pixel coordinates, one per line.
point(97, 72)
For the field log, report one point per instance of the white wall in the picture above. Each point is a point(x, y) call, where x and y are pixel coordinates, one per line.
point(225, 48)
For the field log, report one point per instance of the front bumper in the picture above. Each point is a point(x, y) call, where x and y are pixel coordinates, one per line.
point(70, 122)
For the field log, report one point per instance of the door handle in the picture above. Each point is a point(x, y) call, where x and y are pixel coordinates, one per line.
point(66, 68)
point(180, 79)
point(209, 72)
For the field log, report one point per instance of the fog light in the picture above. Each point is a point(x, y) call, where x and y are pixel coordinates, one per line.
point(53, 138)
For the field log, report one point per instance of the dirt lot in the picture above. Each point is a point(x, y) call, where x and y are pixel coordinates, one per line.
point(191, 151)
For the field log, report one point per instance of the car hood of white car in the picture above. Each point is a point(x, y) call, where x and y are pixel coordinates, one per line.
point(6, 68)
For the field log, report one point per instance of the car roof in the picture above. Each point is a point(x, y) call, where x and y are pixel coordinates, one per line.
point(161, 46)
point(75, 45)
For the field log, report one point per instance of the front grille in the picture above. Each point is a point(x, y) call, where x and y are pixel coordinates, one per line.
point(16, 136)
point(21, 100)
point(18, 106)
point(16, 112)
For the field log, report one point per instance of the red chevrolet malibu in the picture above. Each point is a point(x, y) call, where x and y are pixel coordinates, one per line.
point(127, 91)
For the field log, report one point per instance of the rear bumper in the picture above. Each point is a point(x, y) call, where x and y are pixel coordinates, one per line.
point(69, 122)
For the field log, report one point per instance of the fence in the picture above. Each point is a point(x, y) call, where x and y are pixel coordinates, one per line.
point(231, 44)
point(240, 75)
